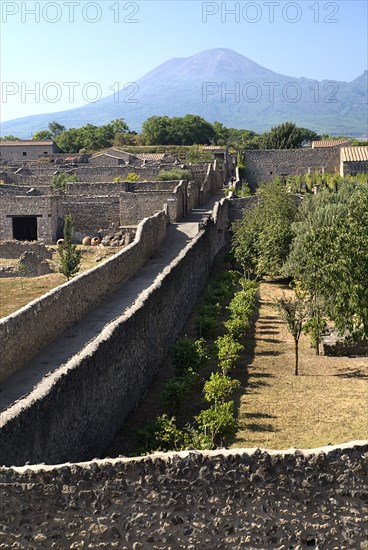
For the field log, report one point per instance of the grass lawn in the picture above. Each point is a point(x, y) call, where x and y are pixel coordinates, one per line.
point(16, 292)
point(327, 403)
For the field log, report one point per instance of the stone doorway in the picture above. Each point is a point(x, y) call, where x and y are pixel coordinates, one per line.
point(25, 228)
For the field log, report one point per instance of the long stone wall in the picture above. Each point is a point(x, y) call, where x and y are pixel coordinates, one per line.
point(141, 202)
point(92, 214)
point(25, 332)
point(76, 411)
point(265, 165)
point(232, 500)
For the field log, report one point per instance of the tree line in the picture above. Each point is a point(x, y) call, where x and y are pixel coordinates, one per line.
point(320, 242)
point(163, 130)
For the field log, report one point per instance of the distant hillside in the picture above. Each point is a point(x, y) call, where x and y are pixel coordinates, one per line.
point(220, 84)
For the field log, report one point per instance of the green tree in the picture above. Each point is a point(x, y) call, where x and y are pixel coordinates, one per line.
point(329, 254)
point(186, 130)
point(294, 312)
point(10, 138)
point(55, 129)
point(262, 239)
point(70, 257)
point(286, 136)
point(42, 134)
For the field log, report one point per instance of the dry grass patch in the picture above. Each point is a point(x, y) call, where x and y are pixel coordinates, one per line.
point(16, 292)
point(326, 404)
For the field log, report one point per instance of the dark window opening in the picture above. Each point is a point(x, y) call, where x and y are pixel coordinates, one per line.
point(271, 173)
point(24, 153)
point(25, 228)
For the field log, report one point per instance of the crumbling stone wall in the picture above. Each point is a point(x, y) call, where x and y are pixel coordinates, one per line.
point(238, 205)
point(140, 202)
point(93, 213)
point(232, 500)
point(25, 332)
point(47, 209)
point(353, 167)
point(15, 249)
point(265, 165)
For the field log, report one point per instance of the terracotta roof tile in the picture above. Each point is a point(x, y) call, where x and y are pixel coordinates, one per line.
point(329, 143)
point(354, 154)
point(27, 142)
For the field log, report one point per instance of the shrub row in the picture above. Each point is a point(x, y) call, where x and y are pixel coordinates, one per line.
point(215, 423)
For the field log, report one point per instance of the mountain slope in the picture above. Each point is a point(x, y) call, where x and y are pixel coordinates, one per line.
point(220, 84)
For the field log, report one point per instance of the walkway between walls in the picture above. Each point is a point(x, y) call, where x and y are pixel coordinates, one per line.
point(74, 339)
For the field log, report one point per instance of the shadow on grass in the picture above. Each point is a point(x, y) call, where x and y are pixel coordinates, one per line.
point(258, 415)
point(266, 331)
point(271, 340)
point(254, 427)
point(250, 381)
point(358, 373)
point(268, 353)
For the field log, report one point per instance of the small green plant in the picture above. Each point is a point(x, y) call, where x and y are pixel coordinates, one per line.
point(218, 422)
point(219, 387)
point(188, 354)
point(174, 391)
point(174, 174)
point(60, 181)
point(228, 352)
point(70, 257)
point(206, 326)
point(132, 177)
point(21, 270)
point(162, 435)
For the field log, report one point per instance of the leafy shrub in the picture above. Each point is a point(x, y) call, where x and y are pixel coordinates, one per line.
point(236, 327)
point(161, 435)
point(174, 174)
point(175, 389)
point(132, 177)
point(218, 422)
point(188, 354)
point(206, 326)
point(219, 387)
point(60, 181)
point(228, 352)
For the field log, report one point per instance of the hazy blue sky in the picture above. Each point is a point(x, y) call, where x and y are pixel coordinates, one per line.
point(48, 45)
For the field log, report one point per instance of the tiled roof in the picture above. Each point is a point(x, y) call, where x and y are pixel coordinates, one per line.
point(329, 143)
point(27, 142)
point(104, 154)
point(150, 156)
point(354, 154)
point(214, 147)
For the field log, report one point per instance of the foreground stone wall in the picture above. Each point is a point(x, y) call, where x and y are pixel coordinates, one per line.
point(264, 165)
point(75, 412)
point(29, 329)
point(232, 500)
